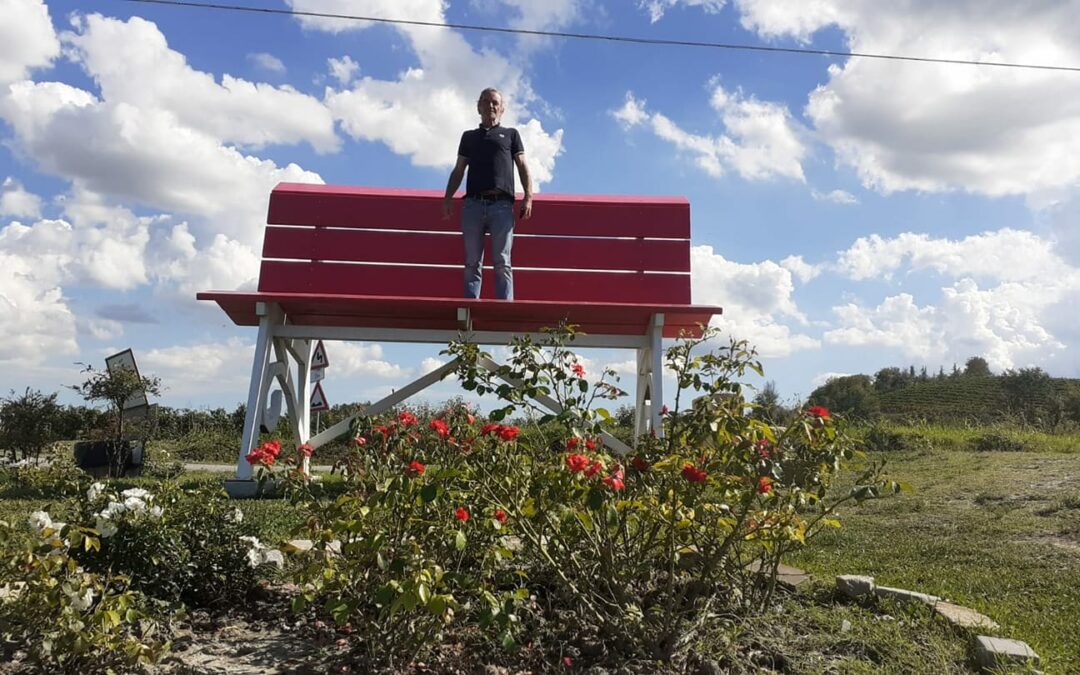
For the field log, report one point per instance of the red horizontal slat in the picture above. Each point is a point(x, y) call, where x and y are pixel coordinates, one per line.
point(369, 208)
point(427, 248)
point(445, 282)
point(441, 313)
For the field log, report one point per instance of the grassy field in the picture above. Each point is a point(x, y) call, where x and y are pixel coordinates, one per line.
point(998, 532)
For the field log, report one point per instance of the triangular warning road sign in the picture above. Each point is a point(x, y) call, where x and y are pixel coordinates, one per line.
point(318, 399)
point(318, 358)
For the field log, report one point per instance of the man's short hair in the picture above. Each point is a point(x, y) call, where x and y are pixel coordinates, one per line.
point(489, 90)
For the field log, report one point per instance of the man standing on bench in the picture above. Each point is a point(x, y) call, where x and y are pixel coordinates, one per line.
point(490, 152)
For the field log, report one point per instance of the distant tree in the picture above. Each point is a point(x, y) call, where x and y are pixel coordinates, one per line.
point(923, 376)
point(115, 387)
point(1028, 392)
point(28, 423)
point(955, 371)
point(769, 408)
point(891, 379)
point(911, 372)
point(941, 373)
point(852, 395)
point(977, 366)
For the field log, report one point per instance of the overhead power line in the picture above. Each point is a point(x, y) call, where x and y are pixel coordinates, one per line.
point(608, 38)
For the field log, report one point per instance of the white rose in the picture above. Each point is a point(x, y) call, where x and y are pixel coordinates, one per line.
point(95, 491)
point(137, 493)
point(135, 505)
point(155, 512)
point(106, 528)
point(81, 602)
point(40, 520)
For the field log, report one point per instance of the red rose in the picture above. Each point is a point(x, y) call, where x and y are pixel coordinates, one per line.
point(469, 418)
point(508, 433)
point(694, 474)
point(500, 515)
point(461, 514)
point(305, 450)
point(663, 410)
point(764, 448)
point(593, 469)
point(360, 441)
point(572, 442)
point(489, 428)
point(415, 469)
point(407, 419)
point(764, 485)
point(576, 463)
point(440, 428)
point(615, 480)
point(567, 661)
point(818, 411)
point(640, 464)
point(384, 430)
point(578, 369)
point(590, 444)
point(272, 448)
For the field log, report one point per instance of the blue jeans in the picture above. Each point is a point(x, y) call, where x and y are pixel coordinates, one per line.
point(478, 217)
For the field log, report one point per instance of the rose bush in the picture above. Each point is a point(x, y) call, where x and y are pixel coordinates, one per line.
point(452, 522)
point(64, 617)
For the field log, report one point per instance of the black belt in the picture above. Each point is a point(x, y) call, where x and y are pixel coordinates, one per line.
point(501, 197)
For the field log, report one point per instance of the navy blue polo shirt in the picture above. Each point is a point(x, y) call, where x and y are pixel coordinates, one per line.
point(491, 155)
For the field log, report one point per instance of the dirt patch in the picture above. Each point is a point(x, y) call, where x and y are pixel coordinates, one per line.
point(1059, 541)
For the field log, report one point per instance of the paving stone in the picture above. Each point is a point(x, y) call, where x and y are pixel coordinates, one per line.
point(903, 595)
point(792, 577)
point(964, 617)
point(853, 586)
point(994, 651)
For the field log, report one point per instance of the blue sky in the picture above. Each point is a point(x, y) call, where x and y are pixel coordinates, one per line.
point(848, 214)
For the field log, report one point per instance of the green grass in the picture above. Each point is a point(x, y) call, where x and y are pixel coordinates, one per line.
point(953, 437)
point(998, 532)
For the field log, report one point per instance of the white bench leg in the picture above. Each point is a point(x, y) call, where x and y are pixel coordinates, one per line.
point(656, 372)
point(270, 316)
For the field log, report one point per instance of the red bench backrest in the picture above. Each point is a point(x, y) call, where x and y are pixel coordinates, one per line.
point(338, 240)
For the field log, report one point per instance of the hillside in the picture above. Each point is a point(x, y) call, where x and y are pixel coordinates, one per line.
point(976, 399)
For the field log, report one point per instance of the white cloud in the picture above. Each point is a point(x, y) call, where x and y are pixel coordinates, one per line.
point(267, 62)
point(938, 127)
point(835, 196)
point(657, 8)
point(38, 324)
point(1002, 324)
point(823, 378)
point(187, 370)
point(760, 140)
point(1005, 254)
point(756, 299)
point(99, 329)
point(349, 358)
point(343, 69)
point(132, 63)
point(422, 113)
point(802, 270)
point(16, 201)
point(548, 15)
point(27, 39)
point(430, 364)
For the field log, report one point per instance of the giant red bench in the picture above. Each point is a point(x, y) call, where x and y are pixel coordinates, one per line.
point(355, 263)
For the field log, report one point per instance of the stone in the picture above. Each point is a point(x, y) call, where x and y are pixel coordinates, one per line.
point(845, 626)
point(903, 595)
point(305, 545)
point(991, 652)
point(853, 586)
point(242, 489)
point(792, 577)
point(964, 617)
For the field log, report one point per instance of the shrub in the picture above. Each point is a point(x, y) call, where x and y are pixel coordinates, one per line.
point(883, 439)
point(448, 521)
point(64, 617)
point(998, 442)
point(174, 544)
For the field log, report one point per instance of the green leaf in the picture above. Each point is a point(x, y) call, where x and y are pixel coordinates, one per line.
point(437, 605)
point(429, 492)
point(585, 519)
point(460, 540)
point(508, 640)
point(583, 386)
point(423, 592)
point(595, 499)
point(603, 413)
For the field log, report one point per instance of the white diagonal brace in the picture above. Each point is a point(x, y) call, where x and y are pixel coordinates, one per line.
point(385, 404)
point(551, 404)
